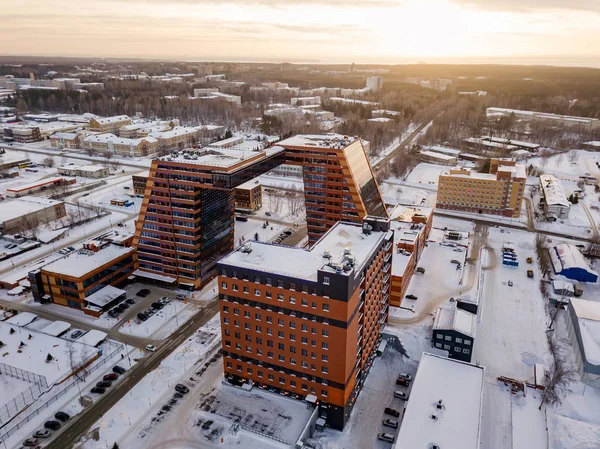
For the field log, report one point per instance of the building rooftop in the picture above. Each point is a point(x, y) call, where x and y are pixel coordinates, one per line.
point(80, 263)
point(440, 156)
point(108, 120)
point(588, 315)
point(10, 210)
point(451, 317)
point(459, 387)
point(304, 264)
point(318, 141)
point(220, 157)
point(553, 191)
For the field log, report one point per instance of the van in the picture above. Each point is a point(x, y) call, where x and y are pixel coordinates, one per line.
point(386, 437)
point(241, 218)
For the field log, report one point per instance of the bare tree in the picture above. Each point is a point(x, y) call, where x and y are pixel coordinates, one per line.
point(49, 161)
point(558, 377)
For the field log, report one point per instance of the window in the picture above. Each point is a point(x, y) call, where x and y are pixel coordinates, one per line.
point(292, 337)
point(236, 311)
point(313, 330)
point(305, 353)
point(448, 338)
point(314, 305)
point(457, 349)
point(313, 366)
point(292, 325)
point(438, 345)
point(225, 309)
point(256, 292)
point(325, 358)
point(229, 365)
point(326, 280)
point(324, 369)
point(282, 380)
point(304, 387)
point(227, 342)
point(313, 355)
point(268, 281)
point(292, 286)
point(269, 319)
point(269, 331)
point(304, 289)
point(247, 326)
point(238, 346)
point(270, 343)
point(324, 393)
point(325, 333)
point(292, 300)
point(280, 322)
point(234, 287)
point(259, 329)
point(447, 347)
point(236, 323)
point(259, 374)
point(246, 314)
point(325, 345)
point(259, 340)
point(280, 334)
point(271, 377)
point(280, 284)
point(281, 358)
point(226, 320)
point(259, 351)
point(459, 340)
point(248, 348)
point(270, 354)
point(439, 336)
point(304, 364)
point(268, 295)
point(246, 290)
point(279, 296)
point(304, 340)
point(224, 285)
point(467, 342)
point(326, 307)
point(239, 367)
point(257, 316)
point(227, 332)
point(466, 351)
point(293, 349)
point(304, 328)
point(234, 274)
point(304, 303)
point(257, 279)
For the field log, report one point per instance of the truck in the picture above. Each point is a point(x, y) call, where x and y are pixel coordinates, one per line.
point(530, 260)
point(529, 273)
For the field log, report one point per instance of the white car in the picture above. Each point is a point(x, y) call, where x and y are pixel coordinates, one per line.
point(150, 348)
point(164, 300)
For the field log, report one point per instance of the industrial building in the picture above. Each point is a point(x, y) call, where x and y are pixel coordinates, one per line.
point(585, 123)
point(84, 171)
point(444, 408)
point(29, 212)
point(186, 220)
point(555, 202)
point(411, 226)
point(583, 329)
point(499, 192)
point(307, 323)
point(454, 331)
point(568, 261)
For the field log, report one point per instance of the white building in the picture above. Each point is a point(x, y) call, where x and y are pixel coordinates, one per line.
point(556, 204)
point(305, 101)
point(374, 83)
point(444, 408)
point(565, 120)
point(583, 328)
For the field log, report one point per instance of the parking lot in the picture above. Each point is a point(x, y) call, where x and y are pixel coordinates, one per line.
point(368, 414)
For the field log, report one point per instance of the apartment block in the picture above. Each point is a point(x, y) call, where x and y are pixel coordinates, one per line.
point(121, 146)
point(248, 196)
point(499, 192)
point(80, 280)
point(139, 183)
point(411, 226)
point(307, 323)
point(65, 140)
point(186, 220)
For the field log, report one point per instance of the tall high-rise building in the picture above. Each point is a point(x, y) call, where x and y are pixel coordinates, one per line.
point(186, 220)
point(306, 323)
point(375, 83)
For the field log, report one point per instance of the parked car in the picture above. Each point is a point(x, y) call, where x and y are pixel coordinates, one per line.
point(31, 442)
point(126, 187)
point(458, 250)
point(400, 395)
point(405, 376)
point(164, 300)
point(181, 296)
point(510, 283)
point(52, 425)
point(402, 382)
point(111, 376)
point(156, 305)
point(529, 273)
point(71, 248)
point(390, 423)
point(130, 301)
point(386, 437)
point(455, 261)
point(142, 316)
point(104, 384)
point(62, 416)
point(150, 348)
point(44, 433)
point(76, 334)
point(149, 312)
point(98, 390)
point(180, 388)
point(390, 411)
point(143, 292)
point(113, 313)
point(178, 395)
point(413, 297)
point(124, 306)
point(117, 369)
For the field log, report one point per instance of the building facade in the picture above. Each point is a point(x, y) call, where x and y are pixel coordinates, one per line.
point(307, 323)
point(186, 220)
point(139, 183)
point(84, 171)
point(109, 124)
point(498, 193)
point(454, 331)
point(248, 196)
point(29, 212)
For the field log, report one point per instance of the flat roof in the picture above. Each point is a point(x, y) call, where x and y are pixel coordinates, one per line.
point(104, 296)
point(211, 157)
point(9, 210)
point(56, 328)
point(440, 156)
point(36, 184)
point(553, 191)
point(253, 183)
point(81, 262)
point(404, 212)
point(451, 317)
point(304, 264)
point(318, 141)
point(459, 387)
point(93, 337)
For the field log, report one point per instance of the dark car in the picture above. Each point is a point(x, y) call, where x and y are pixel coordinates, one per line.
point(157, 305)
point(52, 425)
point(76, 334)
point(180, 388)
point(111, 376)
point(98, 390)
point(177, 395)
point(402, 381)
point(117, 369)
point(390, 423)
point(62, 416)
point(390, 411)
point(104, 384)
point(124, 306)
point(411, 297)
point(142, 293)
point(130, 301)
point(113, 313)
point(142, 316)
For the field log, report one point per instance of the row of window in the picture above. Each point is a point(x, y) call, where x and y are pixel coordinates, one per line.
point(280, 334)
point(280, 296)
point(457, 339)
point(456, 348)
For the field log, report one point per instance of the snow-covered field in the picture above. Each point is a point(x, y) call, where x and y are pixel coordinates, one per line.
point(246, 230)
point(568, 166)
point(394, 193)
point(425, 173)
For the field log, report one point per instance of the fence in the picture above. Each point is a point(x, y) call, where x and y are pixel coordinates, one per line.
point(109, 350)
point(27, 376)
point(17, 403)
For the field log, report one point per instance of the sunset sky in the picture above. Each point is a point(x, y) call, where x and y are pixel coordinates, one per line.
point(385, 31)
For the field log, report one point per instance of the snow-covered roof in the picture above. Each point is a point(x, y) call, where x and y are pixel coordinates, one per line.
point(9, 210)
point(452, 318)
point(593, 143)
point(588, 316)
point(37, 184)
point(304, 264)
point(248, 185)
point(108, 120)
point(108, 137)
point(444, 150)
point(22, 319)
point(318, 140)
point(559, 284)
point(79, 263)
point(440, 156)
point(104, 296)
point(380, 120)
point(66, 136)
point(56, 328)
point(459, 387)
point(154, 276)
point(221, 157)
point(565, 257)
point(93, 338)
point(553, 191)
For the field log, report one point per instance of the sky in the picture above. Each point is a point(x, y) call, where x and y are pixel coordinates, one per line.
point(327, 31)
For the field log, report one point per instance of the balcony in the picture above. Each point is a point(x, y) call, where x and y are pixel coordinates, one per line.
point(386, 268)
point(387, 257)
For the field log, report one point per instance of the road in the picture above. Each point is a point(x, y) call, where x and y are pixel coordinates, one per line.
point(591, 219)
point(86, 419)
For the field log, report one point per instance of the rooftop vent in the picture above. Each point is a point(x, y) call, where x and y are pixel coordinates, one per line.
point(434, 418)
point(247, 249)
point(326, 255)
point(435, 446)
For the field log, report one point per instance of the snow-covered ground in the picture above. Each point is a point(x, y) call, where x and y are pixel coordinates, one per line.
point(246, 231)
point(394, 193)
point(287, 182)
point(163, 323)
point(425, 173)
point(568, 166)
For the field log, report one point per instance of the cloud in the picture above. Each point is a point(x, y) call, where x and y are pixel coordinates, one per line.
point(531, 5)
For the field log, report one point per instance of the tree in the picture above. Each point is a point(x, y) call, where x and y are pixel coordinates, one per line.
point(558, 377)
point(228, 134)
point(49, 161)
point(115, 446)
